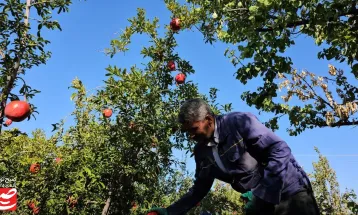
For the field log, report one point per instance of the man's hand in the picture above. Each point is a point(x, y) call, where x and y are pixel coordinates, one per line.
point(254, 204)
point(159, 211)
point(249, 206)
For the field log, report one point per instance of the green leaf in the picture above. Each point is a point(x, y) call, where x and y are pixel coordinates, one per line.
point(253, 9)
point(355, 69)
point(73, 96)
point(265, 2)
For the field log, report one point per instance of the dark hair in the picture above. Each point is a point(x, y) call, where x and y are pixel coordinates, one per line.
point(194, 110)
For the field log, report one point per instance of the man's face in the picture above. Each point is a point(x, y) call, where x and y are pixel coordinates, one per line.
point(200, 131)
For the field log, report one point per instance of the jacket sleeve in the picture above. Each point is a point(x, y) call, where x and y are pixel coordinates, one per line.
point(201, 187)
point(271, 150)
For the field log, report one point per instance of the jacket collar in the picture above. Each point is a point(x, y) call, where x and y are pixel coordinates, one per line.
point(219, 134)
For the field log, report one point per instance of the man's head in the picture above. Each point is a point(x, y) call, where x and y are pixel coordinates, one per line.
point(197, 119)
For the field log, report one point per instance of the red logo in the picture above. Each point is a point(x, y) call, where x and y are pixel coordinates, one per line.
point(8, 199)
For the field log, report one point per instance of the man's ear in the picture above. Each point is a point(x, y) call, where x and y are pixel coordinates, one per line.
point(210, 119)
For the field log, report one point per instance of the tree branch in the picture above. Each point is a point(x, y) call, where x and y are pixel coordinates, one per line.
point(353, 11)
point(17, 60)
point(106, 207)
point(198, 29)
point(237, 9)
point(289, 25)
point(43, 2)
point(240, 10)
point(341, 123)
point(238, 60)
point(313, 91)
point(2, 54)
point(27, 12)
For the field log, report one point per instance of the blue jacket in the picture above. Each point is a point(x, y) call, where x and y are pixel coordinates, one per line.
point(254, 157)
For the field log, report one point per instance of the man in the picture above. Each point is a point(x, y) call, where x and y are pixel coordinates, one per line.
point(236, 148)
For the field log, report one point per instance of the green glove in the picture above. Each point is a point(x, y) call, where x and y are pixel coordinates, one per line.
point(160, 211)
point(248, 195)
point(249, 206)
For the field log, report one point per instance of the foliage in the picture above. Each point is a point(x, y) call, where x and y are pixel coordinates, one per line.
point(122, 164)
point(262, 30)
point(72, 176)
point(108, 162)
point(224, 200)
point(327, 192)
point(220, 200)
point(22, 46)
point(326, 110)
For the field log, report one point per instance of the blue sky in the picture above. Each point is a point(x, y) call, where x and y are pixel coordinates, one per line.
point(90, 26)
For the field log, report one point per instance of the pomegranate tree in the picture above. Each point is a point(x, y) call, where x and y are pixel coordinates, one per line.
point(22, 49)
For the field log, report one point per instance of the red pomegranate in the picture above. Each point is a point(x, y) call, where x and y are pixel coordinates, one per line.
point(175, 24)
point(35, 168)
point(58, 160)
point(31, 205)
point(36, 210)
point(8, 122)
point(72, 201)
point(152, 213)
point(132, 125)
point(107, 113)
point(17, 110)
point(171, 65)
point(134, 206)
point(180, 78)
